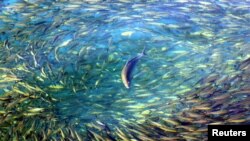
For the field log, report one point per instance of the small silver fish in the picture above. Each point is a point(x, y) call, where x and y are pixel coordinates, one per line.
point(128, 69)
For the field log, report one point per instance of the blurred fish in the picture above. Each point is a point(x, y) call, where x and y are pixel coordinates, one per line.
point(122, 135)
point(128, 69)
point(127, 33)
point(94, 135)
point(79, 138)
point(62, 133)
point(236, 120)
point(5, 98)
point(203, 107)
point(170, 121)
point(38, 44)
point(9, 78)
point(162, 127)
point(34, 58)
point(36, 110)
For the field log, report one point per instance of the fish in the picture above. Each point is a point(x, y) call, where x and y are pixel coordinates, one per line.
point(94, 135)
point(121, 135)
point(62, 133)
point(127, 70)
point(170, 121)
point(127, 33)
point(9, 78)
point(48, 52)
point(79, 138)
point(36, 110)
point(34, 58)
point(162, 127)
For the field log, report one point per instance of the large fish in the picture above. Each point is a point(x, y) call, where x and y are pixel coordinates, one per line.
point(128, 69)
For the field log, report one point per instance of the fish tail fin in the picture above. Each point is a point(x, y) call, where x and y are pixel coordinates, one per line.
point(144, 51)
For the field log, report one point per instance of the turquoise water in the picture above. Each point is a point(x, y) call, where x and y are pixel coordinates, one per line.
point(74, 52)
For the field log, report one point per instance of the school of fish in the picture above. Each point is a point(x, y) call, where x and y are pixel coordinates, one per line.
point(66, 66)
